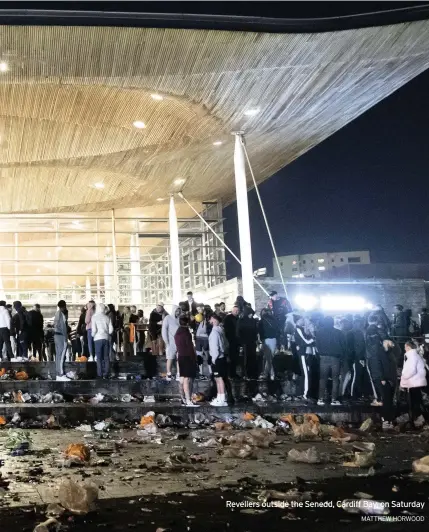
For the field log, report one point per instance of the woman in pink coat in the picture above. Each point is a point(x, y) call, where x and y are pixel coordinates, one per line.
point(413, 379)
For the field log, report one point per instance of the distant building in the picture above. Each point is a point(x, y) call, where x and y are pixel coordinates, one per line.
point(313, 265)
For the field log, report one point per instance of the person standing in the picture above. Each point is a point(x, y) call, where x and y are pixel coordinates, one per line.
point(247, 330)
point(230, 327)
point(36, 332)
point(331, 346)
point(187, 360)
point(357, 350)
point(413, 379)
point(280, 307)
point(90, 308)
point(217, 344)
point(155, 329)
point(170, 324)
point(60, 339)
point(22, 326)
point(306, 351)
point(400, 325)
point(383, 321)
point(5, 324)
point(268, 334)
point(101, 329)
point(380, 372)
point(189, 305)
point(202, 334)
point(424, 325)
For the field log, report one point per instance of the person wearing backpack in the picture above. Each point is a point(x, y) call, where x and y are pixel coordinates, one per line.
point(22, 328)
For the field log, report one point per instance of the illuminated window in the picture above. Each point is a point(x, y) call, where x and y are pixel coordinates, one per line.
point(322, 268)
point(321, 260)
point(294, 262)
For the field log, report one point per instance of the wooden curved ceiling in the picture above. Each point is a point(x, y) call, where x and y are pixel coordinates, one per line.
point(71, 94)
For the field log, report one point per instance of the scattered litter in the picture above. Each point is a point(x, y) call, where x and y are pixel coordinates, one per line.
point(259, 398)
point(44, 527)
point(51, 421)
point(361, 495)
point(3, 420)
point(72, 375)
point(290, 495)
point(419, 422)
point(262, 423)
point(16, 418)
point(52, 397)
point(127, 398)
point(102, 425)
point(247, 416)
point(367, 425)
point(220, 426)
point(98, 398)
point(77, 498)
point(198, 397)
point(18, 442)
point(363, 474)
point(309, 429)
point(84, 428)
point(77, 452)
point(21, 376)
point(365, 506)
point(54, 510)
point(310, 456)
point(365, 457)
point(421, 465)
point(147, 419)
point(243, 451)
point(149, 399)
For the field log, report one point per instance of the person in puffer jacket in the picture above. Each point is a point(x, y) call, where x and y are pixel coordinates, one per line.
point(170, 324)
point(102, 329)
point(413, 379)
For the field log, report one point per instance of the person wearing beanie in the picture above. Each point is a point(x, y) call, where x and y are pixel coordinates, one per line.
point(5, 330)
point(60, 339)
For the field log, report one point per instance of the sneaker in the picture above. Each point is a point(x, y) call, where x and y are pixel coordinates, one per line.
point(91, 359)
point(387, 425)
point(191, 404)
point(215, 402)
point(376, 403)
point(335, 403)
point(320, 402)
point(178, 377)
point(262, 377)
point(62, 378)
point(221, 403)
point(168, 377)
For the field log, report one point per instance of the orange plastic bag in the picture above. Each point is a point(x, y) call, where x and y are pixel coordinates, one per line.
point(21, 376)
point(198, 397)
point(147, 419)
point(247, 416)
point(2, 372)
point(82, 359)
point(132, 333)
point(78, 451)
point(3, 420)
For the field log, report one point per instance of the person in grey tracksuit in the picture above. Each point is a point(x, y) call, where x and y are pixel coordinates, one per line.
point(170, 324)
point(217, 347)
point(60, 337)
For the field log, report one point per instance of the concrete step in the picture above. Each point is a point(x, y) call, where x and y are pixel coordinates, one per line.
point(78, 413)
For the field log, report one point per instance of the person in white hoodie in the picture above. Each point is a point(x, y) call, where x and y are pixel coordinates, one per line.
point(101, 329)
point(217, 345)
point(5, 330)
point(170, 324)
point(413, 379)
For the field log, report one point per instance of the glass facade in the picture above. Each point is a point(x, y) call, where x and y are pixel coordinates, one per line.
point(110, 259)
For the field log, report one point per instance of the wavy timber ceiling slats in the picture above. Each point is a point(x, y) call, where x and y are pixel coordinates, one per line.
point(71, 94)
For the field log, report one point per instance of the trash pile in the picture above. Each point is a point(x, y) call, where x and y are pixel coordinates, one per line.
point(25, 397)
point(11, 374)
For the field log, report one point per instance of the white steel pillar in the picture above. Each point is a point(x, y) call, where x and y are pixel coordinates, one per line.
point(174, 253)
point(115, 262)
point(88, 288)
point(136, 285)
point(243, 220)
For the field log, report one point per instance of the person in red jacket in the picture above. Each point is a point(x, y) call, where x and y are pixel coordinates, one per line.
point(186, 359)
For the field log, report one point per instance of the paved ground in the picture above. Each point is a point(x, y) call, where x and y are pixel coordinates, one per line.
point(140, 487)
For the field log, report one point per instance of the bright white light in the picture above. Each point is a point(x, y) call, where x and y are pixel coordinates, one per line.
point(99, 185)
point(3, 67)
point(159, 199)
point(38, 270)
point(217, 143)
point(139, 124)
point(322, 268)
point(49, 253)
point(345, 303)
point(306, 302)
point(73, 282)
point(252, 112)
point(157, 97)
point(320, 260)
point(59, 248)
point(294, 262)
point(301, 276)
point(179, 181)
point(295, 276)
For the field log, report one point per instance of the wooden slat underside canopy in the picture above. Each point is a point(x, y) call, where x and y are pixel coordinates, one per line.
point(71, 94)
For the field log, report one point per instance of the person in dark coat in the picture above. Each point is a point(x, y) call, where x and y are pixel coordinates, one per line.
point(155, 328)
point(424, 324)
point(305, 346)
point(241, 303)
point(380, 371)
point(280, 307)
point(332, 348)
point(36, 332)
point(247, 332)
point(400, 325)
point(187, 360)
point(21, 324)
point(230, 324)
point(383, 321)
point(357, 349)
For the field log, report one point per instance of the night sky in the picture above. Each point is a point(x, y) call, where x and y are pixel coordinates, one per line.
point(375, 172)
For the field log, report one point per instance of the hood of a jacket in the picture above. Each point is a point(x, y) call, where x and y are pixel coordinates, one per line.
point(100, 309)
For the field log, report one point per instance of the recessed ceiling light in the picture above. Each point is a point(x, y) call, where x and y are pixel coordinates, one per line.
point(252, 112)
point(38, 270)
point(139, 125)
point(73, 282)
point(59, 248)
point(159, 199)
point(157, 97)
point(217, 143)
point(179, 181)
point(3, 67)
point(99, 185)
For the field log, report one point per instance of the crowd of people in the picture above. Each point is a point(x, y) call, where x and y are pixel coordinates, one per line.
point(346, 358)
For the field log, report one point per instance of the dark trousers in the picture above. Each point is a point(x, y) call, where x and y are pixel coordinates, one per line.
point(307, 374)
point(251, 360)
point(36, 345)
point(386, 393)
point(5, 339)
point(150, 364)
point(103, 357)
point(329, 366)
point(358, 379)
point(416, 406)
point(233, 355)
point(22, 344)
